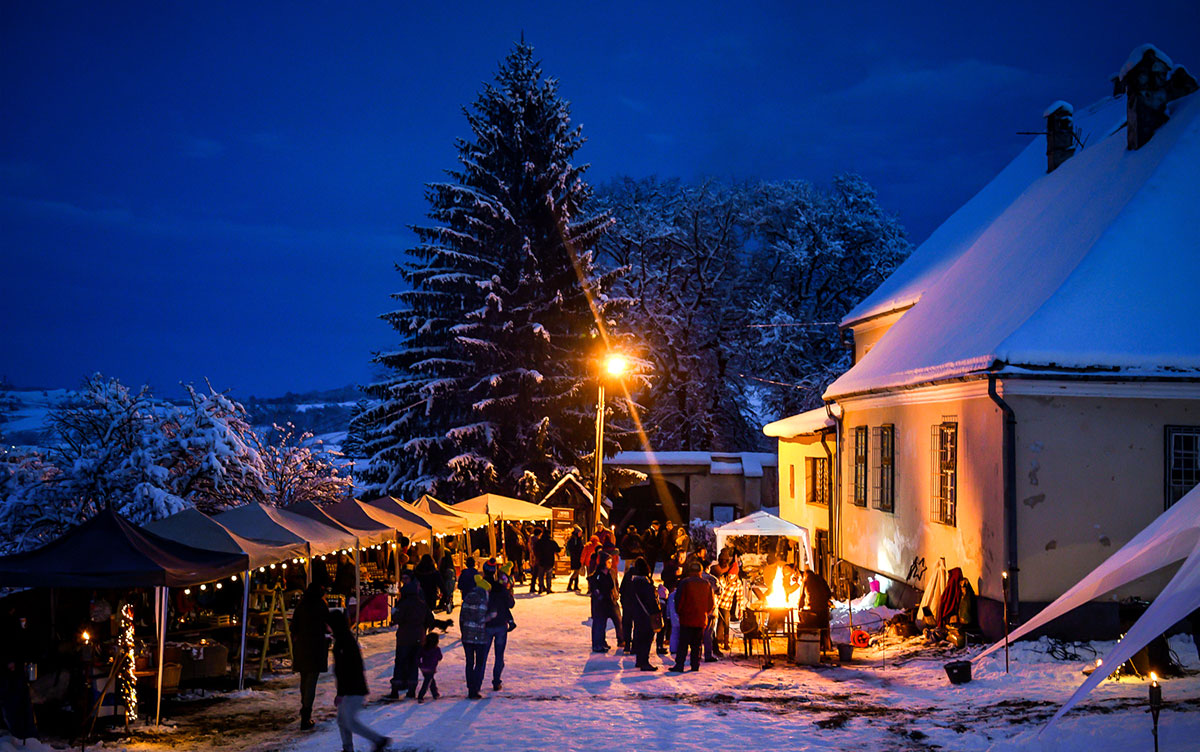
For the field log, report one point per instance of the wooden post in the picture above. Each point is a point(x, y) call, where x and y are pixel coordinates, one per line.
point(245, 618)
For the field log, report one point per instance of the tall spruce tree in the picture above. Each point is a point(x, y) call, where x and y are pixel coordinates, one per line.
point(490, 389)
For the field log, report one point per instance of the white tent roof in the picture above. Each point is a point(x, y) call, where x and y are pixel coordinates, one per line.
point(408, 525)
point(503, 507)
point(1092, 266)
point(765, 523)
point(256, 520)
point(193, 528)
point(429, 504)
point(350, 515)
point(1173, 536)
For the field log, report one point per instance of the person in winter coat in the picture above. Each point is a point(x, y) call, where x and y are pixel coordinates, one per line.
point(472, 625)
point(668, 540)
point(652, 545)
point(731, 585)
point(642, 604)
point(427, 661)
point(623, 593)
point(16, 650)
point(310, 647)
point(588, 557)
point(814, 604)
point(631, 544)
point(413, 619)
point(693, 602)
point(535, 566)
point(430, 579)
point(500, 621)
point(575, 547)
point(446, 570)
point(602, 589)
point(466, 580)
point(672, 568)
point(351, 686)
point(711, 652)
point(545, 550)
point(669, 621)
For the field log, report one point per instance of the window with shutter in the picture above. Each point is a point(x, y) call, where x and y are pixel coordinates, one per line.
point(944, 466)
point(859, 498)
point(885, 468)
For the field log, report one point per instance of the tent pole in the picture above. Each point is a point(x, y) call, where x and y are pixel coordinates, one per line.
point(162, 638)
point(357, 590)
point(245, 615)
point(396, 561)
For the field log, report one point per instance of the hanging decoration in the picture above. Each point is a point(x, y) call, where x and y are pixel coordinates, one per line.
point(126, 655)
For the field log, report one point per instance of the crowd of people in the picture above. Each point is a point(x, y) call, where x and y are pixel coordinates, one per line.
point(686, 613)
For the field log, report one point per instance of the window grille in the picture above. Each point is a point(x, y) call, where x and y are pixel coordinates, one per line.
point(860, 467)
point(944, 482)
point(817, 476)
point(1183, 461)
point(884, 479)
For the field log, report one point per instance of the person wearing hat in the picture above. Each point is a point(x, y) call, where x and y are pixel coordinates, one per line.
point(500, 621)
point(472, 625)
point(413, 619)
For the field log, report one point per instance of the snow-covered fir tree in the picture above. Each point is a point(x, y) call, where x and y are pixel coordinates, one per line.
point(737, 290)
point(492, 386)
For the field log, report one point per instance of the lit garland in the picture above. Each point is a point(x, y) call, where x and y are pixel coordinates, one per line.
point(125, 653)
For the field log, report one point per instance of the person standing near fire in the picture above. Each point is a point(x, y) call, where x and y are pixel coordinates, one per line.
point(693, 603)
point(814, 605)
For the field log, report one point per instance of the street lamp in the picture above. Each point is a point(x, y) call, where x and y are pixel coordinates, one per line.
point(615, 365)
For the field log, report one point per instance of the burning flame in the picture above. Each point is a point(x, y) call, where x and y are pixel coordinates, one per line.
point(777, 596)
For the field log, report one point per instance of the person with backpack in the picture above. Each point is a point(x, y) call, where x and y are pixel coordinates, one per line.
point(446, 570)
point(500, 622)
point(466, 579)
point(351, 686)
point(472, 625)
point(310, 647)
point(642, 604)
point(693, 603)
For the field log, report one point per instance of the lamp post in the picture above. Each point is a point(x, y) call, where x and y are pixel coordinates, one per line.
point(1004, 577)
point(615, 366)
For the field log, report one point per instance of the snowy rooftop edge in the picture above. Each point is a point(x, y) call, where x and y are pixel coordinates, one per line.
point(809, 422)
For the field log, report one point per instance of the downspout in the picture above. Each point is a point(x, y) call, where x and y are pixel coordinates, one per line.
point(1009, 457)
point(835, 517)
point(829, 562)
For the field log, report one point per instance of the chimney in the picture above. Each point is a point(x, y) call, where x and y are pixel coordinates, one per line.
point(1060, 134)
point(1144, 77)
point(1180, 83)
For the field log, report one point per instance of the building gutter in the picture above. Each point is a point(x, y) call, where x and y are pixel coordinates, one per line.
point(1009, 475)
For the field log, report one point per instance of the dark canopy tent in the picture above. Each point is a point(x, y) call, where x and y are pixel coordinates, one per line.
point(109, 551)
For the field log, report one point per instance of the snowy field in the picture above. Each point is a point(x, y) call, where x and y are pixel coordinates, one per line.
point(558, 696)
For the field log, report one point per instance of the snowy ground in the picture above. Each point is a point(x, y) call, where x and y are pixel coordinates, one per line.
point(558, 696)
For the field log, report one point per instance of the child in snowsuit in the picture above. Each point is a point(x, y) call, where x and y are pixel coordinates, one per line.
point(431, 656)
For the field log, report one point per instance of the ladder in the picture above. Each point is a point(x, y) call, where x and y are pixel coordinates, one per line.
point(269, 632)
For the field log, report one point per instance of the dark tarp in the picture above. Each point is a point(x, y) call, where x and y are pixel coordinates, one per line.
point(108, 551)
point(345, 514)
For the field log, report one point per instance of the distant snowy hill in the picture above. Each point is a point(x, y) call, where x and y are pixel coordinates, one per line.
point(326, 414)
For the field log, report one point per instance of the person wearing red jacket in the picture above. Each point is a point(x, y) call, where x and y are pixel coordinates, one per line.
point(693, 603)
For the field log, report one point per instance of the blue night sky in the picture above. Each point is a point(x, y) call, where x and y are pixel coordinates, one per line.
point(208, 190)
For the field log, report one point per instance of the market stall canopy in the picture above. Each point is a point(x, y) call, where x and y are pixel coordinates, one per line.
point(443, 524)
point(765, 523)
point(503, 508)
point(256, 520)
point(194, 528)
point(408, 525)
point(1174, 535)
point(347, 516)
point(109, 551)
point(429, 504)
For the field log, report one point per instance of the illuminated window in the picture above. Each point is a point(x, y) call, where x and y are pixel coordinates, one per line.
point(944, 462)
point(792, 481)
point(1183, 461)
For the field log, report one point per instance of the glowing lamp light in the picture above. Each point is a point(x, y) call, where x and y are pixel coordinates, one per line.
point(272, 566)
point(283, 566)
point(87, 637)
point(204, 587)
point(218, 586)
point(187, 591)
point(233, 578)
point(616, 364)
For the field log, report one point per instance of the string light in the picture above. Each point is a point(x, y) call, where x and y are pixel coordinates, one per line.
point(125, 653)
point(218, 586)
point(233, 578)
point(187, 591)
point(282, 566)
point(204, 587)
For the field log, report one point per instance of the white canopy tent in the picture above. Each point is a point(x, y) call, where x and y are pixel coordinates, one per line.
point(765, 523)
point(503, 508)
point(259, 521)
point(1173, 536)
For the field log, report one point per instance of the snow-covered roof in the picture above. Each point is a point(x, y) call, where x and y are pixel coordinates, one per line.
point(1092, 267)
point(809, 422)
point(749, 464)
point(1056, 106)
point(1138, 53)
point(957, 234)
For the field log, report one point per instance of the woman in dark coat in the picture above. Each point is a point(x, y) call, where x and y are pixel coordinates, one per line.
point(351, 686)
point(641, 604)
point(310, 647)
point(446, 570)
